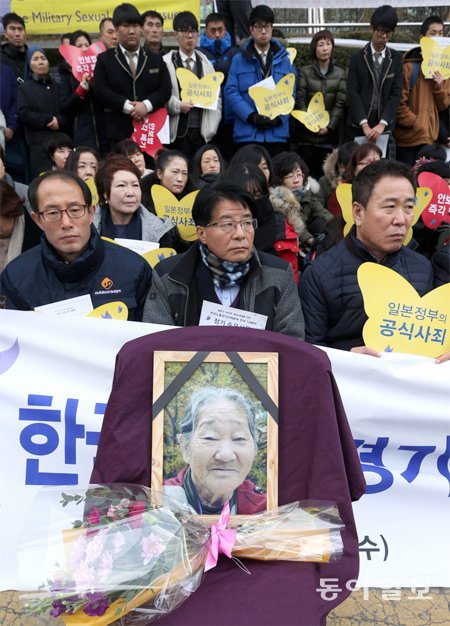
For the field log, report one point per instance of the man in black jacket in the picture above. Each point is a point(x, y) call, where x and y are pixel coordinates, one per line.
point(374, 83)
point(383, 209)
point(13, 54)
point(72, 260)
point(129, 81)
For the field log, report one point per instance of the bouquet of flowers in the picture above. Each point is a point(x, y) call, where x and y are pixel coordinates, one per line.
point(134, 552)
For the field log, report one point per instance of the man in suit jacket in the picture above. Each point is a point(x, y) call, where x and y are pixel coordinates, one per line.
point(129, 81)
point(374, 83)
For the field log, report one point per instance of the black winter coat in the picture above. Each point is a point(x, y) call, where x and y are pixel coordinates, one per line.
point(38, 100)
point(360, 83)
point(331, 299)
point(81, 113)
point(114, 84)
point(40, 277)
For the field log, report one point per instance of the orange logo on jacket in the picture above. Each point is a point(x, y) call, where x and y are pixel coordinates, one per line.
point(107, 283)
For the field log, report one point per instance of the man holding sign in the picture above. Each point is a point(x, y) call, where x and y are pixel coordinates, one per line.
point(422, 98)
point(262, 58)
point(129, 81)
point(191, 126)
point(72, 260)
point(383, 210)
point(222, 280)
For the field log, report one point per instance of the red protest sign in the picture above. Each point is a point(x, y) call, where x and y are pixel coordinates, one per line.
point(438, 210)
point(146, 131)
point(82, 61)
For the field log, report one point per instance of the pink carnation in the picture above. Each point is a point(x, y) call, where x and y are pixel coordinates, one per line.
point(152, 547)
point(94, 517)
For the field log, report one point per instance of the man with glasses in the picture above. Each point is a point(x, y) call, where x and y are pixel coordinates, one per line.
point(129, 81)
point(190, 127)
point(261, 57)
point(422, 101)
point(223, 267)
point(374, 83)
point(72, 260)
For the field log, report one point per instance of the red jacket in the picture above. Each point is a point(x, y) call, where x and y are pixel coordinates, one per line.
point(249, 499)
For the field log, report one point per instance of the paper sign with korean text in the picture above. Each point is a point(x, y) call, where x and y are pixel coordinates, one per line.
point(438, 209)
point(147, 133)
point(81, 61)
point(276, 101)
point(399, 319)
point(213, 314)
point(111, 311)
point(179, 211)
point(137, 245)
point(436, 56)
point(204, 92)
point(80, 305)
point(292, 52)
point(315, 117)
point(344, 197)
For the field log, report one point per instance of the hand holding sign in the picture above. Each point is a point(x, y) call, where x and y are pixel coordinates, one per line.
point(315, 117)
point(179, 211)
point(82, 61)
point(399, 319)
point(203, 93)
point(145, 132)
point(274, 102)
point(344, 197)
point(435, 58)
point(438, 209)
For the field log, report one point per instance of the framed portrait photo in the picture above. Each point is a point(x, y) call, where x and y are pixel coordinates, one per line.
point(215, 430)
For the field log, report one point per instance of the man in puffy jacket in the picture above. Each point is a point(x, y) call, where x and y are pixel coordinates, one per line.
point(72, 260)
point(261, 57)
point(383, 209)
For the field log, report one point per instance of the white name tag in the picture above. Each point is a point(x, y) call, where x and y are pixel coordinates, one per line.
point(81, 305)
point(218, 315)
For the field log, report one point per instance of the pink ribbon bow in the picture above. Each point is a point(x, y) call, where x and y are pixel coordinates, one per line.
point(221, 540)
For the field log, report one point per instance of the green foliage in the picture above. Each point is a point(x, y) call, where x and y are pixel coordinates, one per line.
point(223, 375)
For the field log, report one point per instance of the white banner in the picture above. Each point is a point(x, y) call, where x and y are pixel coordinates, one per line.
point(55, 378)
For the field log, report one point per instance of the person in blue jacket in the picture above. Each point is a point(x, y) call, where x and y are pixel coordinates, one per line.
point(71, 259)
point(261, 57)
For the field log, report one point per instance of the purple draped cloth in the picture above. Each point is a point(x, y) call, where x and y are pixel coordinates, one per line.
point(317, 460)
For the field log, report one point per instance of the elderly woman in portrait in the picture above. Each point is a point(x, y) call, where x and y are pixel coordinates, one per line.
point(224, 267)
point(218, 442)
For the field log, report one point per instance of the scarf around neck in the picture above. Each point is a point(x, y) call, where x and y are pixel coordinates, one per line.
point(224, 273)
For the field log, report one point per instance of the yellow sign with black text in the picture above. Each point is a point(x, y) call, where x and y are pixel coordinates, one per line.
point(53, 18)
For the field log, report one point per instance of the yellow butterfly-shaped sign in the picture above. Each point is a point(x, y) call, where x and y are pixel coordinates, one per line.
point(435, 57)
point(399, 319)
point(274, 102)
point(292, 52)
point(153, 257)
point(179, 211)
point(90, 182)
point(202, 92)
point(110, 311)
point(344, 197)
point(315, 117)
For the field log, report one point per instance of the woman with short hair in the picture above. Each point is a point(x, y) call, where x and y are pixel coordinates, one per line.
point(324, 76)
point(120, 212)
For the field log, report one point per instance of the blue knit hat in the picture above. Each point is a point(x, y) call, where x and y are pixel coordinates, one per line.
point(30, 53)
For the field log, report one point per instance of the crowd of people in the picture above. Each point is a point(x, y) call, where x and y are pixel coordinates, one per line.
point(268, 220)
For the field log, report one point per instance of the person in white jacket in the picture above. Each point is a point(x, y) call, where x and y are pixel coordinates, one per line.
point(190, 127)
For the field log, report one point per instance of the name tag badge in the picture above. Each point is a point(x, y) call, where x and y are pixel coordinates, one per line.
point(218, 315)
point(153, 70)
